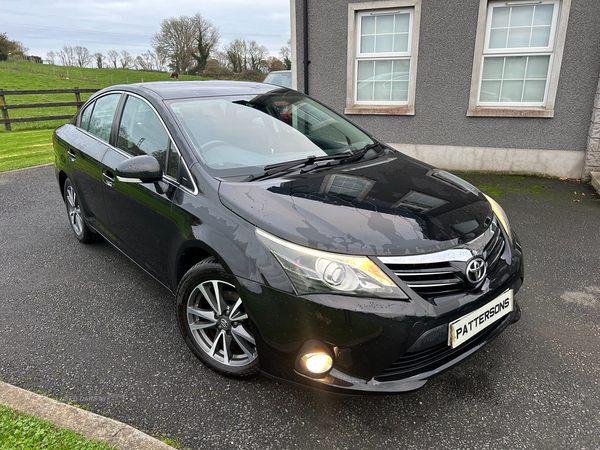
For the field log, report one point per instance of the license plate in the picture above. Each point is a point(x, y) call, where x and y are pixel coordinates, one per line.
point(467, 327)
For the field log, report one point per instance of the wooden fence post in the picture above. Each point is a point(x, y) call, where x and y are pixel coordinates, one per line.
point(77, 96)
point(4, 111)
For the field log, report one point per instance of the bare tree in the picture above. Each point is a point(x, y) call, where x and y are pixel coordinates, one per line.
point(285, 54)
point(256, 57)
point(125, 59)
point(146, 61)
point(66, 56)
point(179, 39)
point(82, 56)
point(236, 52)
point(50, 56)
point(113, 57)
point(99, 57)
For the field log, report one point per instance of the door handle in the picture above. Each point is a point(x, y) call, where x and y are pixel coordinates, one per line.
point(71, 153)
point(108, 177)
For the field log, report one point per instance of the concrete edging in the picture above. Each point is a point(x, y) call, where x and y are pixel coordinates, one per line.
point(86, 423)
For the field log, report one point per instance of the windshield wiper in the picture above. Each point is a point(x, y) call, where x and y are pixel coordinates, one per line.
point(273, 169)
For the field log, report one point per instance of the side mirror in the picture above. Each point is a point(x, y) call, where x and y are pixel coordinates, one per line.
point(139, 169)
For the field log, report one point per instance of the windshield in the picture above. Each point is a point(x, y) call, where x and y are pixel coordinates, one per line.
point(235, 135)
point(279, 78)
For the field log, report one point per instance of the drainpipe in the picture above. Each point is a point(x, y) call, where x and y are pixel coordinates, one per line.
point(305, 40)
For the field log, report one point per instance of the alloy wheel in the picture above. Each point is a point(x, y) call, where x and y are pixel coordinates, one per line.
point(219, 324)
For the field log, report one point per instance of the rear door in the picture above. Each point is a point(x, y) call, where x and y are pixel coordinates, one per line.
point(86, 149)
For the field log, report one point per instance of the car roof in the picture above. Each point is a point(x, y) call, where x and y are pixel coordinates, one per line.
point(168, 90)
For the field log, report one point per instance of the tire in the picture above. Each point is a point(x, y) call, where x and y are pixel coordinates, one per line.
point(213, 321)
point(76, 219)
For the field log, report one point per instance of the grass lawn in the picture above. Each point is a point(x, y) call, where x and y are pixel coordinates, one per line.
point(20, 149)
point(22, 431)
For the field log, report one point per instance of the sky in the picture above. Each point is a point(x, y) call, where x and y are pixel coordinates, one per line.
point(102, 25)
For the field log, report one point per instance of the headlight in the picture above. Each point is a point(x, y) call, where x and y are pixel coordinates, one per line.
point(313, 271)
point(501, 215)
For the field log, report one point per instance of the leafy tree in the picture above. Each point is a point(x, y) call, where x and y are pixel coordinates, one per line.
point(99, 57)
point(8, 47)
point(285, 54)
point(273, 64)
point(179, 39)
point(113, 57)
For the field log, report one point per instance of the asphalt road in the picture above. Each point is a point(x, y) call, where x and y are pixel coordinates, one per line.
point(84, 324)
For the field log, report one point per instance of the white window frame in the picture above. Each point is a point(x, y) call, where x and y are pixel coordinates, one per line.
point(355, 12)
point(554, 50)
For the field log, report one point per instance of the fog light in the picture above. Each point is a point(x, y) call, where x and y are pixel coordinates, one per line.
point(317, 363)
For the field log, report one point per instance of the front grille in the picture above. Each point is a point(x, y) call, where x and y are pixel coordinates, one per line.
point(415, 363)
point(443, 273)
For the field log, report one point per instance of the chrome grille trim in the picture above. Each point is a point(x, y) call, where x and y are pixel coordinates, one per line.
point(441, 273)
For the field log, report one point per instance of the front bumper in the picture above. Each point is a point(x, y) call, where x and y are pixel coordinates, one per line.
point(380, 346)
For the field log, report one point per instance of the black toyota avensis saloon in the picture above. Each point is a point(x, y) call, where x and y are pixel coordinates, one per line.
point(296, 244)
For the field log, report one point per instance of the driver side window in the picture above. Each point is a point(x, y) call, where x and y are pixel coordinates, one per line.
point(141, 131)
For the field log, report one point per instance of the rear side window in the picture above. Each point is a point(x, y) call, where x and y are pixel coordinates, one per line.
point(102, 116)
point(86, 115)
point(141, 131)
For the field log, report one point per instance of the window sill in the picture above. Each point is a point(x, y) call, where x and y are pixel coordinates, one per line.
point(399, 110)
point(510, 112)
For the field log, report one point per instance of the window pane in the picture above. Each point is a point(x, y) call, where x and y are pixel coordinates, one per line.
point(540, 37)
point(490, 91)
point(493, 68)
point(384, 43)
point(543, 15)
point(385, 24)
point(365, 70)
point(367, 44)
point(498, 38)
point(500, 17)
point(401, 42)
point(514, 67)
point(383, 70)
point(537, 67)
point(521, 16)
point(402, 23)
point(382, 91)
point(173, 166)
point(141, 132)
point(519, 37)
point(401, 69)
point(368, 25)
point(85, 117)
point(511, 91)
point(400, 91)
point(534, 91)
point(365, 91)
point(102, 116)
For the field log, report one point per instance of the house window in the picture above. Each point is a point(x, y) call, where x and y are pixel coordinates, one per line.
point(517, 60)
point(382, 57)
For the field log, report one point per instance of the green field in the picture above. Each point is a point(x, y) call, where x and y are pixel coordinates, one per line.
point(27, 75)
point(30, 143)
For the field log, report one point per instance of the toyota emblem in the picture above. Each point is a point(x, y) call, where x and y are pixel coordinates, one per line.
point(476, 270)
